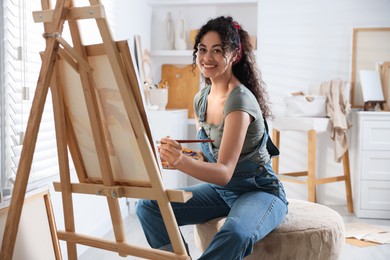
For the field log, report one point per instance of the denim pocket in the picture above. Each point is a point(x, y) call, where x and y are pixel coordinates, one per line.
point(267, 180)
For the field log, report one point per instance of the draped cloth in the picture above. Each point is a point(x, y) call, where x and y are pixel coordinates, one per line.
point(337, 109)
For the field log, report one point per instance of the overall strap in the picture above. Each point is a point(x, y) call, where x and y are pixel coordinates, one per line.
point(271, 147)
point(203, 106)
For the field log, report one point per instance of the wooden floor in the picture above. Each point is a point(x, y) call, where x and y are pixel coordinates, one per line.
point(135, 235)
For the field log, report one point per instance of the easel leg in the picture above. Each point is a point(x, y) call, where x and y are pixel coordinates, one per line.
point(53, 227)
point(22, 176)
point(96, 123)
point(63, 160)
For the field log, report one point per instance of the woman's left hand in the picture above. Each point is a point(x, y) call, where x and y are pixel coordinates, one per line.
point(170, 151)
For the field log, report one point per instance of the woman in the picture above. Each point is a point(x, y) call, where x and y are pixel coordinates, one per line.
point(238, 179)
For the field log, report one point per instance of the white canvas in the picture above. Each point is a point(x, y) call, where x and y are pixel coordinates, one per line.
point(126, 159)
point(371, 85)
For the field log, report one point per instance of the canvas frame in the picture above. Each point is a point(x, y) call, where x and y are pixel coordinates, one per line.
point(370, 47)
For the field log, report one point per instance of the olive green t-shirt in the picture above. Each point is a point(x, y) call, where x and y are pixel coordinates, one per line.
point(240, 98)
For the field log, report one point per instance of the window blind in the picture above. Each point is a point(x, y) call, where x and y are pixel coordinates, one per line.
point(22, 42)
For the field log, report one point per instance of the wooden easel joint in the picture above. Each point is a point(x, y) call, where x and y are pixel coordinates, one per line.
point(52, 35)
point(74, 54)
point(113, 192)
point(72, 13)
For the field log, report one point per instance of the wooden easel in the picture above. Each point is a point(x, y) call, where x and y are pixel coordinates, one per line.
point(70, 74)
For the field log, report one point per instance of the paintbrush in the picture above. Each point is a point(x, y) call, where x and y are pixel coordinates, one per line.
point(184, 141)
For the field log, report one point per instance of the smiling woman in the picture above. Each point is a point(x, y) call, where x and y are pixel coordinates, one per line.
point(239, 182)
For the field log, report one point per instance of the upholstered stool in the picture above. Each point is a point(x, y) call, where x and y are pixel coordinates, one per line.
point(310, 231)
point(312, 126)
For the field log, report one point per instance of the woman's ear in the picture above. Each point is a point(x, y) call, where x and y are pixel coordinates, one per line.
point(234, 57)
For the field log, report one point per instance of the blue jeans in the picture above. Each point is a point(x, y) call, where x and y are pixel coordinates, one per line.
point(251, 217)
point(254, 202)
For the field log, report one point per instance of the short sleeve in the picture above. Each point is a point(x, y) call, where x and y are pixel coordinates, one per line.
point(242, 99)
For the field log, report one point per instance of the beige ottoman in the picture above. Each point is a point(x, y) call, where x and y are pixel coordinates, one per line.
point(310, 231)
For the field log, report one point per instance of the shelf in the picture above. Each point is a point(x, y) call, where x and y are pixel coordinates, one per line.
point(199, 2)
point(196, 13)
point(175, 53)
point(170, 53)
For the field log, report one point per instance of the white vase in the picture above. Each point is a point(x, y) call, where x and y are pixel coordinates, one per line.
point(180, 34)
point(169, 32)
point(158, 97)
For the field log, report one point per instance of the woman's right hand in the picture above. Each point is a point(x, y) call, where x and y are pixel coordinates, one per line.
point(170, 151)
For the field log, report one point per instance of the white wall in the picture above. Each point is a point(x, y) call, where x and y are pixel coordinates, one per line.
point(302, 43)
point(131, 18)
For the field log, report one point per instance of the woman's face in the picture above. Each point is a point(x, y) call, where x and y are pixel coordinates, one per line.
point(211, 60)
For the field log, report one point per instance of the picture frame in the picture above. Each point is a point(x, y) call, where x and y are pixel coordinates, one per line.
point(37, 236)
point(370, 51)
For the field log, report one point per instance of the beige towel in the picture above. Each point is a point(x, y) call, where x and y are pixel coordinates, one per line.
point(337, 108)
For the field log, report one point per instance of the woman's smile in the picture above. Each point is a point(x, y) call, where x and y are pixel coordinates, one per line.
point(209, 67)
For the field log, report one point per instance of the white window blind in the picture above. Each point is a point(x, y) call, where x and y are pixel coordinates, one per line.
point(2, 143)
point(22, 42)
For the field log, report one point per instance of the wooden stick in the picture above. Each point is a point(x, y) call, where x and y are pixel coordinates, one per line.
point(34, 120)
point(189, 141)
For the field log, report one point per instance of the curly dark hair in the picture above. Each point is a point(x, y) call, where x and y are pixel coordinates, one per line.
point(234, 37)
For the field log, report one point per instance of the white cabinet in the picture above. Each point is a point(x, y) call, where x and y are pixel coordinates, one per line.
point(196, 13)
point(173, 123)
point(370, 146)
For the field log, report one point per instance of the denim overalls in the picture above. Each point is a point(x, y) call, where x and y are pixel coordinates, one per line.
point(253, 203)
point(248, 175)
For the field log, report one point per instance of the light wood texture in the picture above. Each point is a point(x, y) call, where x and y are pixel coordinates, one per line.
point(183, 81)
point(73, 13)
point(125, 191)
point(309, 177)
point(348, 186)
point(121, 247)
point(53, 227)
point(129, 62)
point(91, 101)
point(74, 54)
point(385, 78)
point(63, 160)
point(99, 115)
